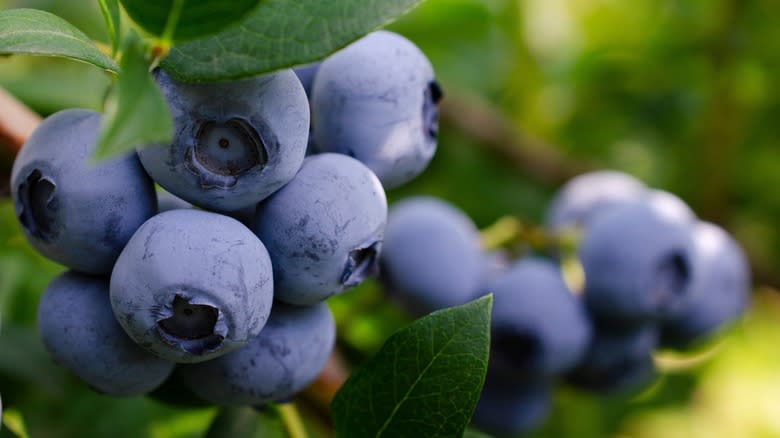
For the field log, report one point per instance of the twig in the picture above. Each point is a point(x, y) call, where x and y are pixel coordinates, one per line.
point(17, 121)
point(292, 420)
point(320, 393)
point(481, 121)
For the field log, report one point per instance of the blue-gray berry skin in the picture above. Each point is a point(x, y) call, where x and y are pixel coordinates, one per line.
point(720, 288)
point(235, 143)
point(74, 211)
point(638, 265)
point(618, 360)
point(670, 207)
point(431, 256)
point(509, 408)
point(286, 357)
point(192, 285)
point(167, 201)
point(538, 328)
point(306, 74)
point(324, 229)
point(586, 196)
point(376, 100)
point(79, 331)
point(175, 392)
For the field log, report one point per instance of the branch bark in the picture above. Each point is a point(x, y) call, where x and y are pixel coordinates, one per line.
point(479, 120)
point(17, 122)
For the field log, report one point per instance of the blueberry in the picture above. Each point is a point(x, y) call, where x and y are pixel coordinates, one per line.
point(306, 74)
point(539, 328)
point(720, 288)
point(192, 285)
point(637, 264)
point(376, 100)
point(670, 207)
point(79, 331)
point(509, 408)
point(286, 357)
point(235, 143)
point(175, 392)
point(618, 360)
point(167, 201)
point(431, 255)
point(73, 211)
point(324, 229)
point(589, 194)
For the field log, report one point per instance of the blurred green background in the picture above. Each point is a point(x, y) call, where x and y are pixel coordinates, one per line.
point(676, 92)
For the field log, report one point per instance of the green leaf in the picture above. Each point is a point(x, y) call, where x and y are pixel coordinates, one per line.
point(245, 422)
point(110, 11)
point(14, 421)
point(280, 34)
point(425, 381)
point(473, 433)
point(136, 111)
point(187, 19)
point(34, 32)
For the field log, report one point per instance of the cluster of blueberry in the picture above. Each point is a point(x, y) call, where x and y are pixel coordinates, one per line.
point(654, 277)
point(230, 292)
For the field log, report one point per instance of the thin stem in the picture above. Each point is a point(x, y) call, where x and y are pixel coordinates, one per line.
point(17, 122)
point(172, 22)
point(292, 420)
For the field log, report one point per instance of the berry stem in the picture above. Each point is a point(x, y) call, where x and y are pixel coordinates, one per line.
point(17, 121)
point(292, 420)
point(172, 22)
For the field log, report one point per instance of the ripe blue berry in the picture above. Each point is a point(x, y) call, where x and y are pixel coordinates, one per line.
point(79, 331)
point(510, 408)
point(539, 328)
point(431, 255)
point(167, 201)
point(73, 211)
point(192, 285)
point(376, 100)
point(637, 264)
point(720, 288)
point(281, 361)
point(618, 360)
point(306, 74)
point(323, 229)
point(670, 207)
point(235, 143)
point(588, 195)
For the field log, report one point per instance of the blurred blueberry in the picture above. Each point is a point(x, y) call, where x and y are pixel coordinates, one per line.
point(73, 211)
point(285, 358)
point(324, 229)
point(638, 265)
point(167, 201)
point(539, 328)
point(510, 408)
point(192, 285)
point(720, 288)
point(376, 100)
point(79, 331)
point(235, 142)
point(670, 207)
point(431, 256)
point(618, 360)
point(586, 196)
